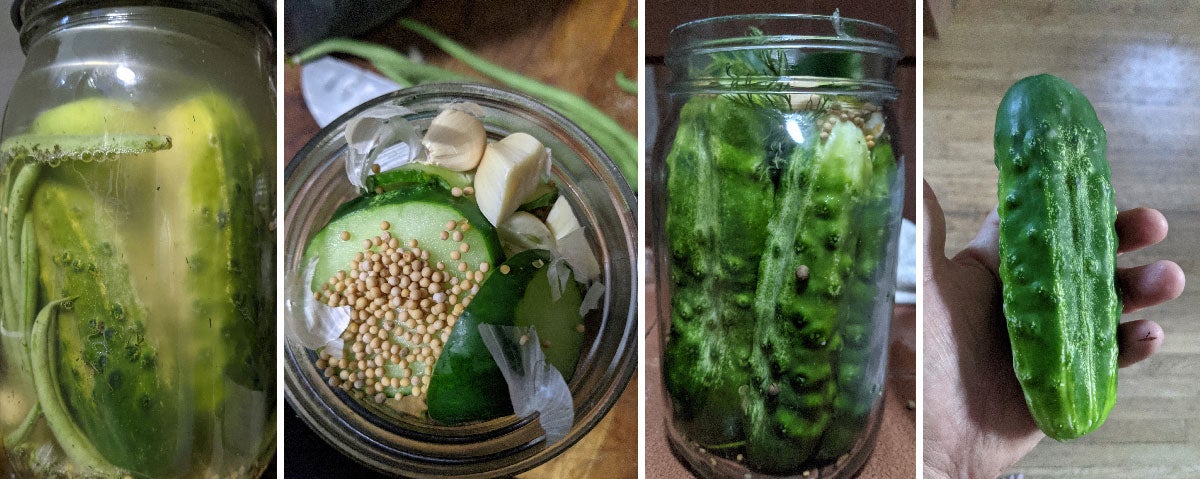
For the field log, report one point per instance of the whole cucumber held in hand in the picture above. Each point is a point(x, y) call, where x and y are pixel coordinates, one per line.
point(1058, 254)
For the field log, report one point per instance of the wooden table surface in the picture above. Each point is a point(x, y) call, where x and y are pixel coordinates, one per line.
point(578, 46)
point(1139, 63)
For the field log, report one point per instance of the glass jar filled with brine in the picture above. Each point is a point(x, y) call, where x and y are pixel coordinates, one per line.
point(775, 212)
point(137, 280)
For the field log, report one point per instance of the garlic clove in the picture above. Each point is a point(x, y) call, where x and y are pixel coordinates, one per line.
point(455, 140)
point(524, 231)
point(508, 174)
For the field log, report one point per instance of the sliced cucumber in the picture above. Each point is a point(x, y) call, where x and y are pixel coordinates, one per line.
point(418, 213)
point(417, 174)
point(467, 385)
point(557, 322)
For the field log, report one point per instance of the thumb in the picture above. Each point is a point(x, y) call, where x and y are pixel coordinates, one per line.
point(985, 248)
point(935, 228)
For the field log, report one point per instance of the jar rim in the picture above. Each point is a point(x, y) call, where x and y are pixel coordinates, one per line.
point(833, 32)
point(503, 446)
point(29, 16)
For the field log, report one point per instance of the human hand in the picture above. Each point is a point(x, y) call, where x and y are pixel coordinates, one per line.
point(975, 417)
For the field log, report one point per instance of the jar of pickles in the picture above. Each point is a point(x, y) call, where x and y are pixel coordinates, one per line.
point(137, 276)
point(775, 213)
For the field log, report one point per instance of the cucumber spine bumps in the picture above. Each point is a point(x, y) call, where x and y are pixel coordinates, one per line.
point(774, 279)
point(1058, 249)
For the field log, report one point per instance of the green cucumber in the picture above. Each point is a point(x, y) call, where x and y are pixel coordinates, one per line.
point(413, 213)
point(466, 384)
point(797, 319)
point(556, 322)
point(856, 394)
point(543, 196)
point(417, 174)
point(220, 238)
point(717, 209)
point(1058, 248)
point(107, 368)
point(774, 274)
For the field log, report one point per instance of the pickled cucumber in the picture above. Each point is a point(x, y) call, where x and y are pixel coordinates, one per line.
point(164, 358)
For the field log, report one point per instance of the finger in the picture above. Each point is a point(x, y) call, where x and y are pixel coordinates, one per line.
point(985, 248)
point(1150, 284)
point(935, 227)
point(1139, 228)
point(1137, 340)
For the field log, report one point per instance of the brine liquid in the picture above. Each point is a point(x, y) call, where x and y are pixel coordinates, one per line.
point(173, 322)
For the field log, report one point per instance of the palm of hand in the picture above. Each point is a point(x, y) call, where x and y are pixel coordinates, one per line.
point(976, 420)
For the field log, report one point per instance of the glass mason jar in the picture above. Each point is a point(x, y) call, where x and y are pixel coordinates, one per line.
point(383, 436)
point(137, 277)
point(775, 210)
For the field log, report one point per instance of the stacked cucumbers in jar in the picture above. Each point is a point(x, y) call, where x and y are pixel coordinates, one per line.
point(779, 214)
point(137, 289)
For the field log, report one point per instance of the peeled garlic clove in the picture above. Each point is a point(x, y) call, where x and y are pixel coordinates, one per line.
point(508, 174)
point(874, 125)
point(571, 242)
point(524, 231)
point(561, 219)
point(455, 140)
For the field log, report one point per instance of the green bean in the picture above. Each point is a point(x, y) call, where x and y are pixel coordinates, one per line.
point(72, 441)
point(9, 320)
point(18, 203)
point(390, 63)
point(22, 431)
point(617, 142)
point(29, 260)
point(626, 84)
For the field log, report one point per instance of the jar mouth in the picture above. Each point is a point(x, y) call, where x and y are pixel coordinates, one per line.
point(416, 447)
point(804, 31)
point(32, 16)
point(783, 52)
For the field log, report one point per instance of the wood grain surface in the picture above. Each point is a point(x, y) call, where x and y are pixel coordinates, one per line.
point(579, 46)
point(1139, 63)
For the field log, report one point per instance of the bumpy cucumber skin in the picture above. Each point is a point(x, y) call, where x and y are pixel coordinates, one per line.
point(714, 241)
point(1058, 249)
point(856, 395)
point(758, 360)
point(106, 367)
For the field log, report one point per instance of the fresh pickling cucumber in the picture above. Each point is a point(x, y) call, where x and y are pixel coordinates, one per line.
point(777, 227)
point(419, 213)
point(1058, 249)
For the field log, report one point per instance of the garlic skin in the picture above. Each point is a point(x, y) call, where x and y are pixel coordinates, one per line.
point(455, 140)
point(571, 241)
point(524, 231)
point(508, 174)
